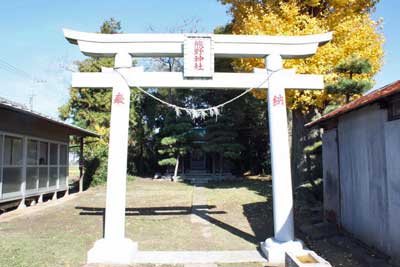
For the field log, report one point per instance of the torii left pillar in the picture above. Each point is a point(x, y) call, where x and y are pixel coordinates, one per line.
point(114, 247)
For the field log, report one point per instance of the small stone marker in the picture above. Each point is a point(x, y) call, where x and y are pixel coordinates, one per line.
point(305, 258)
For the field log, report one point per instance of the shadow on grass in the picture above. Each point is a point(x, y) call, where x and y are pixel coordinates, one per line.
point(154, 211)
point(202, 211)
point(258, 214)
point(262, 188)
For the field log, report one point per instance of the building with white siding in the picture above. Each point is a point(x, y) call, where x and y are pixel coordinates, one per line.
point(33, 154)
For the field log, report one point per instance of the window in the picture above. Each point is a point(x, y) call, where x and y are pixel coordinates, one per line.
point(63, 155)
point(32, 170)
point(12, 179)
point(394, 110)
point(12, 165)
point(53, 154)
point(63, 166)
point(12, 151)
point(53, 176)
point(63, 176)
point(32, 157)
point(32, 176)
point(1, 153)
point(43, 165)
point(43, 177)
point(43, 154)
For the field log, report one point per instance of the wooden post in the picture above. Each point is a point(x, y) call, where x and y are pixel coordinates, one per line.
point(81, 172)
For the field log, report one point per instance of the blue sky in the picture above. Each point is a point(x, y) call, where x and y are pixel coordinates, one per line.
point(33, 39)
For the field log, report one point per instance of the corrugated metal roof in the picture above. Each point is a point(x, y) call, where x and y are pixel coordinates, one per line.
point(367, 99)
point(17, 107)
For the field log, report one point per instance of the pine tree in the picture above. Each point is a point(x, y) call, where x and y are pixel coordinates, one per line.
point(176, 137)
point(222, 140)
point(346, 84)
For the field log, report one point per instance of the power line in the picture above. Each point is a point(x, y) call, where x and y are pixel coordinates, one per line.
point(11, 70)
point(17, 71)
point(4, 63)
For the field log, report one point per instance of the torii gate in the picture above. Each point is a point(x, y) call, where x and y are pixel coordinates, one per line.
point(198, 73)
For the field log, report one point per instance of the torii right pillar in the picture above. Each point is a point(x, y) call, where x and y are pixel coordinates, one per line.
point(283, 240)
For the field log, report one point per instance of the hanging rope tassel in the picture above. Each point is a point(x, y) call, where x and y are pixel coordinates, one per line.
point(177, 111)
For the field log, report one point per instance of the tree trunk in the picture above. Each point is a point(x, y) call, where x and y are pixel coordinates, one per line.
point(300, 139)
point(213, 163)
point(140, 167)
point(347, 98)
point(221, 167)
point(176, 167)
point(183, 166)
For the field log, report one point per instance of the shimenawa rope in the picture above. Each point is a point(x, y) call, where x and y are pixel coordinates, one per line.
point(202, 112)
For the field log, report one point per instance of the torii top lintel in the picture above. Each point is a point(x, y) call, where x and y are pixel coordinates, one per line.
point(171, 45)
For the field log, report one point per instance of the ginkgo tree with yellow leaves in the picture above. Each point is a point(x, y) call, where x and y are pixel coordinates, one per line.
point(354, 33)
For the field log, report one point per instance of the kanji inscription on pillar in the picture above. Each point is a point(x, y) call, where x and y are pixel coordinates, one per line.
point(119, 99)
point(198, 56)
point(278, 100)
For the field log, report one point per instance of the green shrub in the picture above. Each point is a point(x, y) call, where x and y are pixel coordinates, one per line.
point(130, 178)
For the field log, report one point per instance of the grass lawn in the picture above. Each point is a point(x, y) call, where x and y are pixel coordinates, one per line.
point(158, 217)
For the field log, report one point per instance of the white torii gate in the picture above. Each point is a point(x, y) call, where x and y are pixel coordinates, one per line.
point(114, 247)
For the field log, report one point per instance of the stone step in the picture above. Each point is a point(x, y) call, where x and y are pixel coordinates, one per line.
point(193, 257)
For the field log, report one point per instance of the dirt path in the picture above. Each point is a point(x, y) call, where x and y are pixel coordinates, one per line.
point(199, 210)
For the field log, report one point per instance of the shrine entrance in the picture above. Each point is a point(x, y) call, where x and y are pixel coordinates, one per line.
point(198, 51)
point(197, 159)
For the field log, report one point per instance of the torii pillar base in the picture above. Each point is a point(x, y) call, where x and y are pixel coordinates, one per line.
point(275, 250)
point(113, 251)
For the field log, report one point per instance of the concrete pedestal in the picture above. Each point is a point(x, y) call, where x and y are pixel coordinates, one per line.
point(275, 250)
point(120, 251)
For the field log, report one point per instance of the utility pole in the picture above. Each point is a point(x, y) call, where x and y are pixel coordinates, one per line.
point(32, 94)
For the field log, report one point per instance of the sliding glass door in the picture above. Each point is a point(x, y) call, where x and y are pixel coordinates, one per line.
point(41, 164)
point(12, 166)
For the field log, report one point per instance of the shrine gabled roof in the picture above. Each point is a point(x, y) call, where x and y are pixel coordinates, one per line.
point(20, 108)
point(365, 100)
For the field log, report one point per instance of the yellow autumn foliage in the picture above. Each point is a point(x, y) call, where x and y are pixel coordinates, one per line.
point(354, 32)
